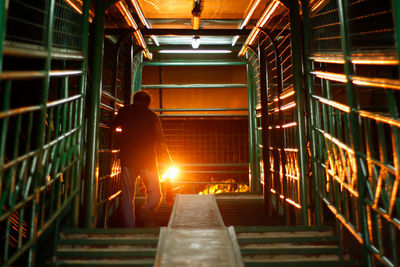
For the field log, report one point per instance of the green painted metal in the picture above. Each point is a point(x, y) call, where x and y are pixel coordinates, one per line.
point(311, 109)
point(354, 127)
point(190, 86)
point(264, 125)
point(300, 113)
point(194, 63)
point(3, 23)
point(93, 113)
point(251, 115)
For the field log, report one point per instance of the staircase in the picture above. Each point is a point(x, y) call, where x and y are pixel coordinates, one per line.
point(289, 246)
point(107, 247)
point(259, 245)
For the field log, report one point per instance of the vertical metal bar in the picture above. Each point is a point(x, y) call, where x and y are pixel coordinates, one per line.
point(93, 110)
point(264, 126)
point(354, 127)
point(82, 91)
point(160, 90)
point(295, 34)
point(40, 129)
point(250, 88)
point(311, 108)
point(3, 24)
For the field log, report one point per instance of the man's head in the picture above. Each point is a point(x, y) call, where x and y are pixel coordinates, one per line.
point(142, 98)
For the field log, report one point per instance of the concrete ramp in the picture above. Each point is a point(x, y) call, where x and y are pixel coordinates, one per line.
point(196, 236)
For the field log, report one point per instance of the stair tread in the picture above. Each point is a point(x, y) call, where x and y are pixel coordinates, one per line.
point(288, 245)
point(108, 249)
point(290, 258)
point(284, 234)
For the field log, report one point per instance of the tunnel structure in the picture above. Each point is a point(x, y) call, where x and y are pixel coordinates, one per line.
point(287, 111)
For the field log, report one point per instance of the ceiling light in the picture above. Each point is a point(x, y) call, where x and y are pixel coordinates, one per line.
point(176, 51)
point(196, 42)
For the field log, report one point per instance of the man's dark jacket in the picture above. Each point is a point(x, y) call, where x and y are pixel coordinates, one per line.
point(141, 131)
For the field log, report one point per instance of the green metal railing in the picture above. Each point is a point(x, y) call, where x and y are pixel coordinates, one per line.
point(280, 121)
point(352, 81)
point(41, 124)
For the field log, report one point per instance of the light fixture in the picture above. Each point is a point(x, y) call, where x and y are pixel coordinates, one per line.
point(176, 51)
point(196, 12)
point(196, 42)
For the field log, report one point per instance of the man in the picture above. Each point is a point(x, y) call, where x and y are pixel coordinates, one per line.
point(142, 137)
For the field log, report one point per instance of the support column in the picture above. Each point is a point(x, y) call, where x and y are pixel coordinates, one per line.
point(295, 33)
point(93, 111)
point(252, 152)
point(311, 110)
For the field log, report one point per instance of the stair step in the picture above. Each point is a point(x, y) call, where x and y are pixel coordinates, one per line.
point(146, 262)
point(110, 252)
point(299, 239)
point(289, 250)
point(98, 241)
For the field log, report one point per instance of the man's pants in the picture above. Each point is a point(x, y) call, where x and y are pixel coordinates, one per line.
point(128, 187)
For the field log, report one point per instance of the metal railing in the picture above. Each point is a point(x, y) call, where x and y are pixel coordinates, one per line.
point(41, 124)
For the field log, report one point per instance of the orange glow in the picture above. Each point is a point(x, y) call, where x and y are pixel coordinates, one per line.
point(331, 76)
point(317, 5)
point(170, 173)
point(375, 62)
point(267, 13)
point(118, 130)
point(252, 9)
point(254, 33)
point(377, 82)
point(328, 59)
point(293, 203)
point(273, 191)
point(290, 124)
point(334, 104)
point(121, 5)
point(380, 118)
point(140, 39)
point(140, 13)
point(224, 188)
point(79, 8)
point(288, 106)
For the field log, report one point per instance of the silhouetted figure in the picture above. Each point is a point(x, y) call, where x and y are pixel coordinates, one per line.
point(142, 136)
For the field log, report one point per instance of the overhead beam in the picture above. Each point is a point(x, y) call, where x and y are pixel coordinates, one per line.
point(200, 32)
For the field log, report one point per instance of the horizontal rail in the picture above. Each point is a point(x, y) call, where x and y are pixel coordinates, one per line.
point(110, 96)
point(210, 165)
point(193, 63)
point(361, 59)
point(234, 172)
point(110, 198)
point(192, 86)
point(205, 182)
point(359, 80)
point(12, 49)
point(332, 103)
point(202, 115)
point(31, 74)
point(199, 109)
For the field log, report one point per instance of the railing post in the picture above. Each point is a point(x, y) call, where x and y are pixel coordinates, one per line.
point(250, 87)
point(264, 126)
point(354, 128)
point(3, 24)
point(93, 111)
point(295, 33)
